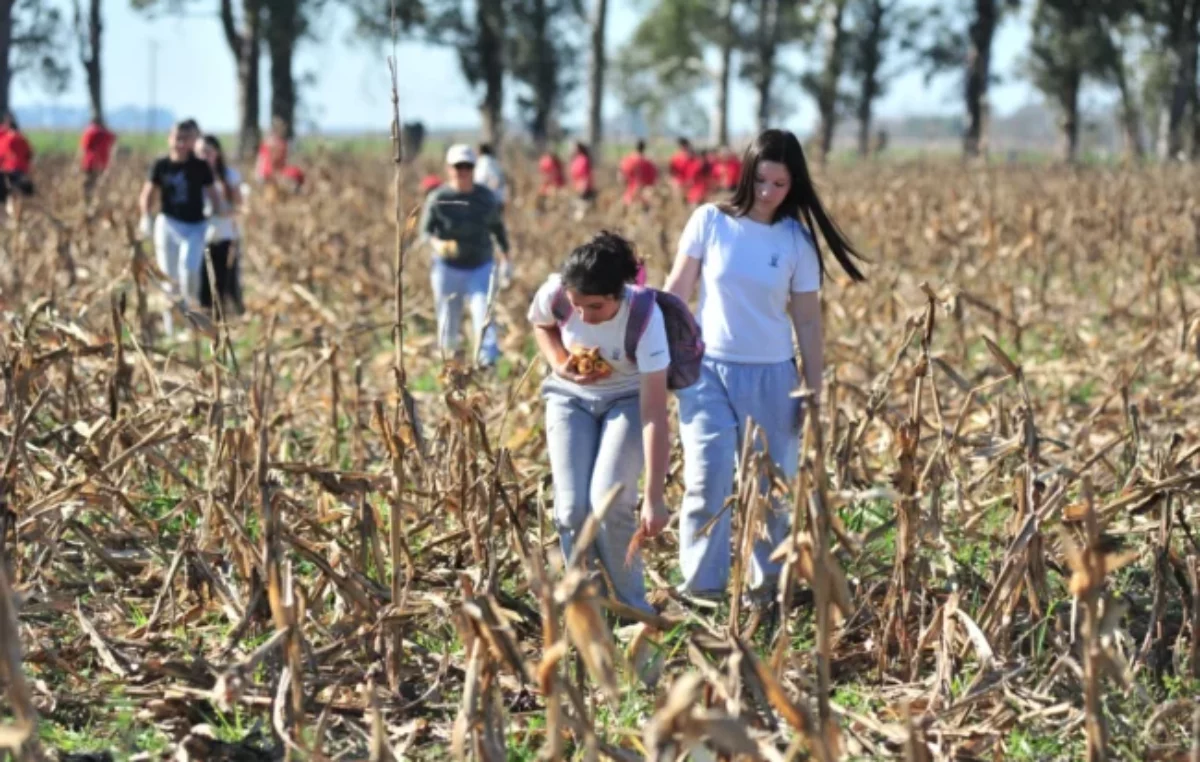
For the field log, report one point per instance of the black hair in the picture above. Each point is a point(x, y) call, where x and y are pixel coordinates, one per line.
point(212, 142)
point(801, 203)
point(583, 149)
point(11, 118)
point(685, 143)
point(485, 149)
point(601, 267)
point(189, 124)
point(641, 146)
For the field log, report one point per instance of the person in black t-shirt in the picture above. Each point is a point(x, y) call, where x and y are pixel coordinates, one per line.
point(182, 182)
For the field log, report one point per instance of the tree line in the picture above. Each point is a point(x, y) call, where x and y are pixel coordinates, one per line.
point(1145, 51)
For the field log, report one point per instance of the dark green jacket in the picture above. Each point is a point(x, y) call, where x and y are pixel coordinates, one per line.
point(470, 218)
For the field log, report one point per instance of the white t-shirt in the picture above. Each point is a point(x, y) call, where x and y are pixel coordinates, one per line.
point(489, 175)
point(748, 273)
point(653, 353)
point(221, 223)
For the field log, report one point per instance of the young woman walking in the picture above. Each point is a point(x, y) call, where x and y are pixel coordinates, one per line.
point(604, 420)
point(223, 232)
point(183, 183)
point(759, 269)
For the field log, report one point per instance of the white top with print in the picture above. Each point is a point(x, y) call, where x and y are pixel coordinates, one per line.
point(748, 273)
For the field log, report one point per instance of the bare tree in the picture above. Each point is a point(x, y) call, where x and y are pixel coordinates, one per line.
point(89, 37)
point(30, 35)
point(833, 34)
point(596, 65)
point(245, 43)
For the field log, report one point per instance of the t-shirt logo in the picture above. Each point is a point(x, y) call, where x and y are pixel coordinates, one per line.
point(616, 354)
point(775, 260)
point(179, 187)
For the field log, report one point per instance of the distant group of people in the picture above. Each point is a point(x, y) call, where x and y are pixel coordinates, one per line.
point(694, 174)
point(16, 161)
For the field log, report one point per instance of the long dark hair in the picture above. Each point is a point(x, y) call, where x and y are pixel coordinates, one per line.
point(221, 173)
point(801, 203)
point(601, 267)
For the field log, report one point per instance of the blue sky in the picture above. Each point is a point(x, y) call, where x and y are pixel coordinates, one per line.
point(195, 76)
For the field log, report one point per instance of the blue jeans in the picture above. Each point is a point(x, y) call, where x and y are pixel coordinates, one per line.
point(595, 444)
point(713, 417)
point(450, 286)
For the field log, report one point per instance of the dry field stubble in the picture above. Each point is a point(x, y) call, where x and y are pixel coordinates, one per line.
point(238, 546)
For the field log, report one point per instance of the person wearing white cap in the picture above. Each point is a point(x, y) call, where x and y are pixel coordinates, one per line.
point(460, 221)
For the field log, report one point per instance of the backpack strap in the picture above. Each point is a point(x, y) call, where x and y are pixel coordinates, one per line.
point(560, 305)
point(641, 303)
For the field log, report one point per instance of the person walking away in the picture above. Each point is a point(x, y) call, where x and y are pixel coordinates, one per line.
point(183, 183)
point(639, 174)
point(16, 167)
point(759, 269)
point(728, 170)
point(582, 180)
point(223, 234)
point(605, 420)
point(459, 220)
point(697, 177)
point(678, 164)
point(490, 175)
point(553, 177)
point(95, 150)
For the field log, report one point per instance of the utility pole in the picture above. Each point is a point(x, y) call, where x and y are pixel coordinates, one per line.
point(153, 70)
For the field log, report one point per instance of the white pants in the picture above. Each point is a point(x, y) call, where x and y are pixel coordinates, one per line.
point(179, 249)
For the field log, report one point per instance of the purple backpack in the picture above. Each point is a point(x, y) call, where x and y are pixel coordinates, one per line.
point(683, 334)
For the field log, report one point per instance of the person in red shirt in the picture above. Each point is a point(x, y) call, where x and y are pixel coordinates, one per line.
point(430, 183)
point(697, 178)
point(550, 167)
point(728, 169)
point(16, 163)
point(678, 165)
point(582, 181)
point(639, 174)
point(272, 166)
point(95, 151)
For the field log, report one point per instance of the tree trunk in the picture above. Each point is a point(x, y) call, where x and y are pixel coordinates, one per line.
point(246, 46)
point(596, 67)
point(491, 23)
point(283, 31)
point(89, 54)
point(1182, 92)
point(6, 8)
point(830, 76)
point(545, 89)
point(1131, 119)
point(768, 42)
point(1195, 155)
point(870, 57)
point(1069, 118)
point(720, 122)
point(979, 56)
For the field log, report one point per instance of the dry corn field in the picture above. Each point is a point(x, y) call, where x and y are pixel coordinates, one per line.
point(280, 537)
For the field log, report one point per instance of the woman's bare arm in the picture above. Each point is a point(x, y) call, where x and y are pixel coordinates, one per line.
point(805, 311)
point(685, 273)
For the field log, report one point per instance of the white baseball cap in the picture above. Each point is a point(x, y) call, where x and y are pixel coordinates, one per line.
point(460, 153)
